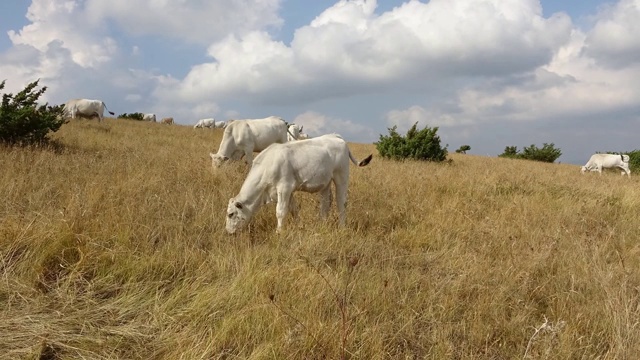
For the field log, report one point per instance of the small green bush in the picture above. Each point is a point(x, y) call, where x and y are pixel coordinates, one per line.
point(417, 144)
point(23, 121)
point(463, 149)
point(548, 153)
point(133, 116)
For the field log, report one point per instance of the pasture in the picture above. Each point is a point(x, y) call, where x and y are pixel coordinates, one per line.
point(112, 246)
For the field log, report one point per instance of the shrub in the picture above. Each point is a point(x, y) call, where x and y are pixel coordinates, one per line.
point(548, 153)
point(23, 121)
point(133, 116)
point(417, 144)
point(463, 149)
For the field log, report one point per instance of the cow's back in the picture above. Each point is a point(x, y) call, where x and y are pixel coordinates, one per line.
point(267, 131)
point(316, 160)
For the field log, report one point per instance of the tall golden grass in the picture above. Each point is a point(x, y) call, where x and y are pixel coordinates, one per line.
point(113, 247)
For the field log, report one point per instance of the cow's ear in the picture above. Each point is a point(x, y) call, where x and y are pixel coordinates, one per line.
point(238, 205)
point(301, 128)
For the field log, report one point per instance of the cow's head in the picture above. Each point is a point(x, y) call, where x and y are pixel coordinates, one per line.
point(583, 169)
point(217, 160)
point(237, 216)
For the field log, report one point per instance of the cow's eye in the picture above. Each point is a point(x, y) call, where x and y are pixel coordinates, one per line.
point(230, 215)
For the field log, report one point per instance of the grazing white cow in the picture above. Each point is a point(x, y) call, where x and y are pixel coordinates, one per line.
point(203, 123)
point(293, 132)
point(608, 161)
point(280, 170)
point(243, 137)
point(85, 108)
point(167, 120)
point(149, 117)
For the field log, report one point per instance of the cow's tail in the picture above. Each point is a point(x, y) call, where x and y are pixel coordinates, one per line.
point(363, 162)
point(105, 106)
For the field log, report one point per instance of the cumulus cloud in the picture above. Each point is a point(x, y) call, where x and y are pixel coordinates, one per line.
point(61, 21)
point(614, 40)
point(350, 49)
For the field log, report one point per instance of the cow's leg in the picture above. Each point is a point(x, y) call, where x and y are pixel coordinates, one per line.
point(599, 168)
point(325, 201)
point(626, 171)
point(341, 197)
point(282, 208)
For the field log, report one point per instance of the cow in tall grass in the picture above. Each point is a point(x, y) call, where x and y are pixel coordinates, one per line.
point(597, 162)
point(280, 170)
point(85, 108)
point(243, 137)
point(149, 117)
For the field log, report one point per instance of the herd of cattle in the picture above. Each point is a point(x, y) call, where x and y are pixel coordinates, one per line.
point(288, 161)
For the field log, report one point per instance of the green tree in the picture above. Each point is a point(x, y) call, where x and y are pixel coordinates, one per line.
point(23, 121)
point(548, 153)
point(417, 144)
point(463, 149)
point(133, 116)
point(510, 152)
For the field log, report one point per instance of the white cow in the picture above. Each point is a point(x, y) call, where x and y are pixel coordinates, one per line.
point(203, 123)
point(243, 137)
point(280, 170)
point(608, 161)
point(167, 120)
point(149, 117)
point(85, 108)
point(293, 132)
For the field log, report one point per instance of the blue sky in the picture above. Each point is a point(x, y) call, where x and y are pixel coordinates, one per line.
point(488, 73)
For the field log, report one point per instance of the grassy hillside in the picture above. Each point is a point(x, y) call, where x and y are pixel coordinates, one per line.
point(113, 247)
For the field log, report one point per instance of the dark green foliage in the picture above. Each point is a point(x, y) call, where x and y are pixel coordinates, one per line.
point(634, 160)
point(417, 144)
point(548, 153)
point(463, 149)
point(133, 116)
point(23, 121)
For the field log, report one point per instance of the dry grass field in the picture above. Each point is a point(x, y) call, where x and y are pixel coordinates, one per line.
point(112, 246)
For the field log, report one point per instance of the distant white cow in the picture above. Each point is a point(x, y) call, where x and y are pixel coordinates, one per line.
point(85, 108)
point(167, 120)
point(280, 170)
point(608, 161)
point(203, 123)
point(243, 137)
point(293, 132)
point(149, 117)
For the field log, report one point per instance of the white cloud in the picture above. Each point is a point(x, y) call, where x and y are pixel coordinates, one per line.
point(615, 39)
point(349, 49)
point(64, 22)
